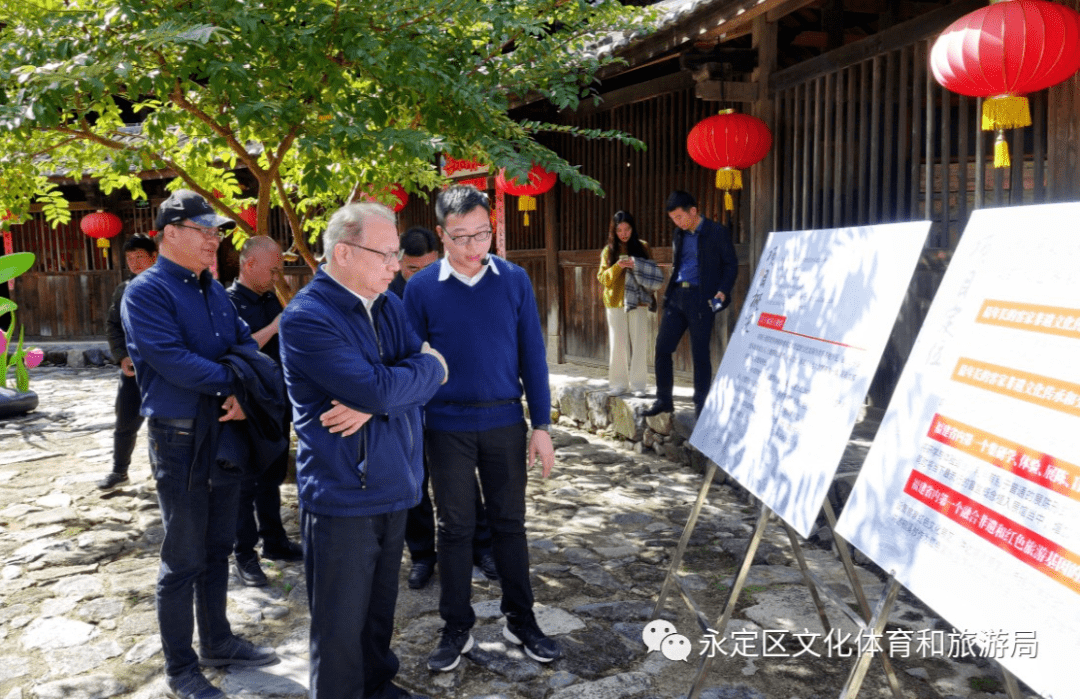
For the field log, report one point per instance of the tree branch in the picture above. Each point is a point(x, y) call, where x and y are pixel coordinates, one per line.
point(178, 98)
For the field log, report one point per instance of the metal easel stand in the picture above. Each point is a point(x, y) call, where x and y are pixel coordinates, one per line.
point(812, 582)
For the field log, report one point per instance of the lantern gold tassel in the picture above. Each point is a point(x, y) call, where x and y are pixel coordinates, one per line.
point(729, 203)
point(1005, 112)
point(103, 243)
point(526, 204)
point(1001, 151)
point(728, 178)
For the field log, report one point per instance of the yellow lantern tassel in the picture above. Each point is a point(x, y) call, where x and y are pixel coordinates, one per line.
point(103, 243)
point(729, 203)
point(1005, 112)
point(728, 178)
point(1001, 151)
point(525, 205)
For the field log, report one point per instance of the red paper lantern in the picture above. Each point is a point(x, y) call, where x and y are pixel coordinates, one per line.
point(250, 216)
point(540, 181)
point(101, 225)
point(1004, 51)
point(728, 143)
point(394, 190)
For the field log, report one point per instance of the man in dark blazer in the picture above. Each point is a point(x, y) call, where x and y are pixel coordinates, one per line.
point(703, 271)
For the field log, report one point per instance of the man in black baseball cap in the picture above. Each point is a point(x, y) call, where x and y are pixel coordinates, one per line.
point(186, 204)
point(179, 321)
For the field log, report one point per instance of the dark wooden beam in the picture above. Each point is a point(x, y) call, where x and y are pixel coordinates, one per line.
point(726, 91)
point(888, 40)
point(676, 82)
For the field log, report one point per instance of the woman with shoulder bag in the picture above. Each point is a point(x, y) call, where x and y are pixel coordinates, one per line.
point(629, 277)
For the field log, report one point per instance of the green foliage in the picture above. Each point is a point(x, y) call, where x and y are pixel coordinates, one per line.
point(12, 266)
point(314, 97)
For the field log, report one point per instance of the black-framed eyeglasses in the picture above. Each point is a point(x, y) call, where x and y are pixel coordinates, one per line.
point(207, 232)
point(387, 257)
point(463, 240)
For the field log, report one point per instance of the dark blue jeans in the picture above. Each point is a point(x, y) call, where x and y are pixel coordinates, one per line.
point(498, 457)
point(420, 525)
point(199, 528)
point(351, 565)
point(684, 308)
point(128, 422)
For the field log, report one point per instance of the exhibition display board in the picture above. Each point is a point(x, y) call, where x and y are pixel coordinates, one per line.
point(798, 365)
point(970, 494)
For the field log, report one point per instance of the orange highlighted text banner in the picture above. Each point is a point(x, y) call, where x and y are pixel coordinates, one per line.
point(1045, 391)
point(1050, 320)
point(1031, 548)
point(1042, 469)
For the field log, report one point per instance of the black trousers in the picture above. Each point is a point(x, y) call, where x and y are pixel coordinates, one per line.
point(420, 525)
point(497, 456)
point(351, 566)
point(128, 422)
point(260, 499)
point(685, 308)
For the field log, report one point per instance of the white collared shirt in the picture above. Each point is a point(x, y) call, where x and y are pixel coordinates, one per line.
point(446, 270)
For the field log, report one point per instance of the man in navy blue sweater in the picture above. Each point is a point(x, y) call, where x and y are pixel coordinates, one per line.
point(703, 270)
point(480, 311)
point(357, 376)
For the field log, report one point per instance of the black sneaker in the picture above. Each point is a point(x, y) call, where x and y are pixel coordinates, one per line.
point(533, 641)
point(421, 573)
point(250, 572)
point(447, 654)
point(487, 566)
point(112, 480)
point(287, 551)
point(236, 651)
point(191, 685)
point(657, 408)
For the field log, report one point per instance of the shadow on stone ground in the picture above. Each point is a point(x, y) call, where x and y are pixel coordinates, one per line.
point(77, 573)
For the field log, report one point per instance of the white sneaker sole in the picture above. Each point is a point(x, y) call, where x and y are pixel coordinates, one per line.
point(509, 636)
point(457, 661)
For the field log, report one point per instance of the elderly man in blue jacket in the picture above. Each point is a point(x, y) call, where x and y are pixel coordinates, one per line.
point(357, 376)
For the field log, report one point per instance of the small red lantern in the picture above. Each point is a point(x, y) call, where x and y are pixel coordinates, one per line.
point(1004, 51)
point(540, 181)
point(394, 190)
point(102, 226)
point(250, 216)
point(728, 143)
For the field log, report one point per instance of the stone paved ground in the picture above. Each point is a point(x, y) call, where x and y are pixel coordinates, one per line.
point(77, 571)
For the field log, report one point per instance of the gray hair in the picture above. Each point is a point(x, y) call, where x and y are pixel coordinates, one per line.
point(348, 223)
point(459, 200)
point(255, 243)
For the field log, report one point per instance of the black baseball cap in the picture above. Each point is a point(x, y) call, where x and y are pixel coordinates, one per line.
point(186, 204)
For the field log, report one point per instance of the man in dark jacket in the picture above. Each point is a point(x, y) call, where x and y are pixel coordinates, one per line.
point(139, 254)
point(703, 269)
point(357, 376)
point(252, 293)
point(179, 322)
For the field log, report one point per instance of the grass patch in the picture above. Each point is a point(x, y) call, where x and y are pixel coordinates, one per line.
point(72, 532)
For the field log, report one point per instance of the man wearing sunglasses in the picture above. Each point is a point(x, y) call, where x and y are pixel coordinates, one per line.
point(179, 321)
point(480, 311)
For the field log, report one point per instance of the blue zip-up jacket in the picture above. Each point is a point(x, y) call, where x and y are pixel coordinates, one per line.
point(331, 351)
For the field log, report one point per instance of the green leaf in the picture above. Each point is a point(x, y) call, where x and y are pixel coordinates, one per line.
point(15, 264)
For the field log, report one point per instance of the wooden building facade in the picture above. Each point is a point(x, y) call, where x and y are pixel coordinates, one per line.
point(862, 134)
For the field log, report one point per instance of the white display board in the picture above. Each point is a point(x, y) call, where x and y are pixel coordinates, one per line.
point(797, 366)
point(970, 494)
